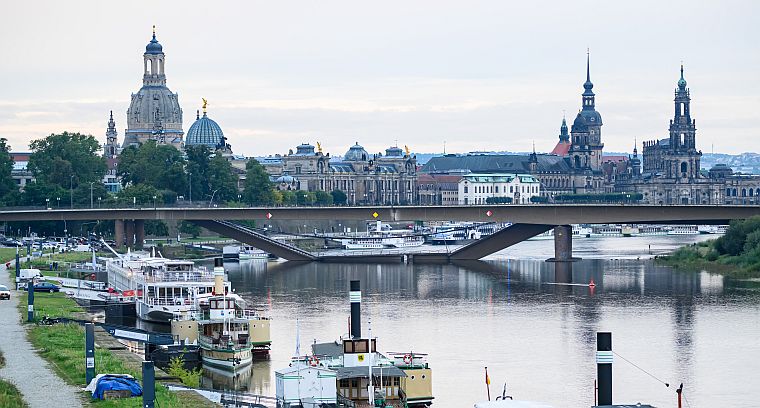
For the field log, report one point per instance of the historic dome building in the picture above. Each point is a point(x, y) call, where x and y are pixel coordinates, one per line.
point(154, 113)
point(356, 153)
point(205, 131)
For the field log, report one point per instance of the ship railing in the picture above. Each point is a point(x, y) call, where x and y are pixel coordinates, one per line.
point(168, 301)
point(345, 402)
point(175, 277)
point(222, 343)
point(249, 314)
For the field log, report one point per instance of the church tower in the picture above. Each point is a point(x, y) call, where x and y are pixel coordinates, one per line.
point(683, 156)
point(586, 134)
point(154, 113)
point(111, 148)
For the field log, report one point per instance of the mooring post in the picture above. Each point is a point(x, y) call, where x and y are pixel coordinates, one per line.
point(18, 265)
point(30, 301)
point(28, 248)
point(149, 384)
point(89, 352)
point(604, 367)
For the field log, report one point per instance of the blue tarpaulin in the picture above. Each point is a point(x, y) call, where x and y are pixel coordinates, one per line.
point(115, 383)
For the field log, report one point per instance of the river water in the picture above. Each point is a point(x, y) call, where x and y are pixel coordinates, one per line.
point(538, 338)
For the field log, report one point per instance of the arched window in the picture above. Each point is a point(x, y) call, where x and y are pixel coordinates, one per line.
point(744, 192)
point(733, 192)
point(757, 192)
point(728, 192)
point(577, 161)
point(751, 192)
point(684, 167)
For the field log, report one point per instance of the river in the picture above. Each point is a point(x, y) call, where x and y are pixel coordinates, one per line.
point(677, 326)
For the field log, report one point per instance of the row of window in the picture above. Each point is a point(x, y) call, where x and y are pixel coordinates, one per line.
point(732, 192)
point(495, 189)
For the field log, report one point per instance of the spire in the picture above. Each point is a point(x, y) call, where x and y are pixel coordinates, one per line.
point(588, 60)
point(111, 123)
point(197, 114)
point(154, 31)
point(564, 137)
point(681, 81)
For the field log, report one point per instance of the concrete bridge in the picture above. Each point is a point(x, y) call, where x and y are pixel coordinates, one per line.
point(528, 221)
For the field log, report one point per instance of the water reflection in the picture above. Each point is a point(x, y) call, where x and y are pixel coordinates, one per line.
point(532, 322)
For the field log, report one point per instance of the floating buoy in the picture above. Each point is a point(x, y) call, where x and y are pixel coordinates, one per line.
point(591, 284)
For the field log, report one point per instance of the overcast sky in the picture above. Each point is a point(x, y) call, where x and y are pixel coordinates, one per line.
point(479, 75)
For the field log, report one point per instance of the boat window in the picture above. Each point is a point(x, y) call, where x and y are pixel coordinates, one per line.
point(348, 346)
point(344, 383)
point(354, 382)
point(374, 345)
point(360, 346)
point(396, 381)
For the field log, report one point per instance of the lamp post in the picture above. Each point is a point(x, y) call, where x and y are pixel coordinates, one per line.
point(91, 202)
point(59, 202)
point(47, 203)
point(71, 191)
point(154, 202)
point(99, 198)
point(191, 187)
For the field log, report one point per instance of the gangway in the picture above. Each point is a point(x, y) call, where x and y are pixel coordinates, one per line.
point(256, 239)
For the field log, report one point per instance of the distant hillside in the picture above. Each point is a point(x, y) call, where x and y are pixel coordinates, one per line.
point(748, 163)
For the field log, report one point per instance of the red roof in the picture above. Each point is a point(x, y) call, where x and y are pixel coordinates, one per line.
point(561, 149)
point(614, 158)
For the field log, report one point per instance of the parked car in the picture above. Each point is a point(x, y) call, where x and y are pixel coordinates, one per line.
point(5, 293)
point(45, 287)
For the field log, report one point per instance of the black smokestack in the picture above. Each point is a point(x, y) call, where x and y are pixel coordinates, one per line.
point(355, 295)
point(604, 367)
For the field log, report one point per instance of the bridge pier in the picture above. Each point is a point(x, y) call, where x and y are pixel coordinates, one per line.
point(130, 227)
point(563, 244)
point(118, 233)
point(139, 233)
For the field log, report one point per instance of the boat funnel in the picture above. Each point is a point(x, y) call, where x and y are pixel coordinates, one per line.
point(355, 295)
point(604, 367)
point(219, 276)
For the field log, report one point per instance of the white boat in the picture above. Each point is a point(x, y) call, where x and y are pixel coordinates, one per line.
point(461, 232)
point(164, 289)
point(383, 237)
point(578, 232)
point(712, 229)
point(684, 230)
point(248, 252)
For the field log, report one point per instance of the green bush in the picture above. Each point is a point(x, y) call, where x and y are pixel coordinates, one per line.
point(191, 378)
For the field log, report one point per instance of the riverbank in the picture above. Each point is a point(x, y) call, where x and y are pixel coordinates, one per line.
point(736, 254)
point(62, 346)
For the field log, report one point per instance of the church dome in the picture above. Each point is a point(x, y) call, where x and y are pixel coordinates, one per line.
point(304, 149)
point(579, 124)
point(356, 153)
point(394, 151)
point(205, 131)
point(154, 47)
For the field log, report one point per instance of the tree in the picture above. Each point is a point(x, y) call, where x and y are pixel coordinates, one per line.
point(187, 227)
point(258, 187)
point(288, 197)
point(222, 179)
point(156, 228)
point(339, 197)
point(323, 198)
point(8, 187)
point(306, 197)
point(197, 170)
point(67, 160)
point(161, 166)
point(140, 194)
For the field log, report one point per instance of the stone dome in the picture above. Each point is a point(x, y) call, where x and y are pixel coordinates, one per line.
point(148, 104)
point(356, 153)
point(304, 149)
point(205, 131)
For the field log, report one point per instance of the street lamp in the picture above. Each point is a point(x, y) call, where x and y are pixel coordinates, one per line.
point(154, 202)
point(59, 202)
point(99, 198)
point(191, 187)
point(91, 184)
point(71, 191)
point(47, 203)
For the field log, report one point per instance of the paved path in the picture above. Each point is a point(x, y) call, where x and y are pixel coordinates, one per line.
point(32, 375)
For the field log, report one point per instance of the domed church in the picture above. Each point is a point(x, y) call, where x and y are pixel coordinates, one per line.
point(205, 131)
point(154, 113)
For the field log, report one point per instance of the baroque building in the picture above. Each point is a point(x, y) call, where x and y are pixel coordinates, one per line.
point(205, 131)
point(154, 112)
point(383, 179)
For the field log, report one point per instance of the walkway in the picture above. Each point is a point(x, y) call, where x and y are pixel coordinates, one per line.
point(32, 375)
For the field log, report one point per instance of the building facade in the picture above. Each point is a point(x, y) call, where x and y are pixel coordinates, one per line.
point(489, 188)
point(389, 179)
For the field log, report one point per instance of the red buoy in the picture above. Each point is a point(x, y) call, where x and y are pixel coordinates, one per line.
point(592, 284)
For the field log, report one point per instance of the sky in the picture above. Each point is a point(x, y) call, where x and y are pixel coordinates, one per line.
point(470, 75)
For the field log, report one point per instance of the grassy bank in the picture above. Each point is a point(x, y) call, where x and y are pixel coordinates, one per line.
point(62, 346)
point(736, 254)
point(9, 395)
